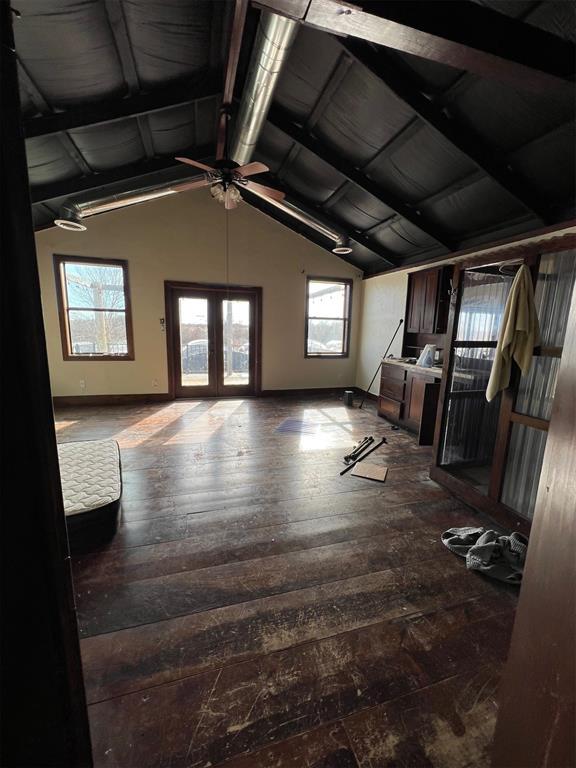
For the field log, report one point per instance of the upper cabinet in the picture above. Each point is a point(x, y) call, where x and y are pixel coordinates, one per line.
point(428, 301)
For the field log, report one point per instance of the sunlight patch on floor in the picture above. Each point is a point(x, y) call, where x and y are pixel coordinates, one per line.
point(207, 423)
point(143, 430)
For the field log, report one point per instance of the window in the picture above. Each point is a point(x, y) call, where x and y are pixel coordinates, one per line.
point(94, 308)
point(328, 317)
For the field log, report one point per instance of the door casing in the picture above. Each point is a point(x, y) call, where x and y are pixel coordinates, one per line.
point(172, 289)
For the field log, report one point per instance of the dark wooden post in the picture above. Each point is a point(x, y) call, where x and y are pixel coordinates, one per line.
point(44, 718)
point(536, 723)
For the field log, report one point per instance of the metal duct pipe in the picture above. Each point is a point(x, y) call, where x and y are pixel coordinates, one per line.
point(273, 42)
point(341, 242)
point(72, 213)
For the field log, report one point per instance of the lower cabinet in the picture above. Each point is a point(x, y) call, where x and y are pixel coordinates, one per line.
point(410, 399)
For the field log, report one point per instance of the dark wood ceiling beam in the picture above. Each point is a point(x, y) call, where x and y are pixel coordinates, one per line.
point(115, 11)
point(281, 120)
point(234, 48)
point(128, 173)
point(73, 151)
point(44, 108)
point(334, 81)
point(36, 96)
point(460, 34)
point(205, 86)
point(407, 88)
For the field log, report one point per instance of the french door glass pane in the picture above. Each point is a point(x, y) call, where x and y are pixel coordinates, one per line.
point(536, 390)
point(470, 430)
point(482, 304)
point(193, 314)
point(236, 341)
point(523, 467)
point(97, 333)
point(471, 368)
point(556, 277)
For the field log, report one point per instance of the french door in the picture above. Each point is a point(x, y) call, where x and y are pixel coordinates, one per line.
point(213, 337)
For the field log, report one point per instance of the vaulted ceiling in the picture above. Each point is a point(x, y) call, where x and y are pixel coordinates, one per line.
point(411, 157)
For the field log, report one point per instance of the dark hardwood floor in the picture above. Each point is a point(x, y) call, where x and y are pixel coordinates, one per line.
point(257, 610)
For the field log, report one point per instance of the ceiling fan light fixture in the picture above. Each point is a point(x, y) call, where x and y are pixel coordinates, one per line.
point(218, 192)
point(235, 195)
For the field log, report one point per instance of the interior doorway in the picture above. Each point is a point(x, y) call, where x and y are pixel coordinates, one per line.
point(213, 335)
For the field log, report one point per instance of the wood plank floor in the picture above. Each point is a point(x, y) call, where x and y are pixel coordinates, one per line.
point(257, 610)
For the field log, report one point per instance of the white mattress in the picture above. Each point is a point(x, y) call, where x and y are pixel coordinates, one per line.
point(90, 474)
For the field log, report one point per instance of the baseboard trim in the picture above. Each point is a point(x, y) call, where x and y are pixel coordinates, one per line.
point(318, 391)
point(66, 401)
point(368, 395)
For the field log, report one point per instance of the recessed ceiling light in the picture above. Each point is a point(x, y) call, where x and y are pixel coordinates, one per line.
point(71, 225)
point(342, 250)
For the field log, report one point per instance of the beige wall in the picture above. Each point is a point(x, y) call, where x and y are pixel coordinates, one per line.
point(182, 238)
point(383, 305)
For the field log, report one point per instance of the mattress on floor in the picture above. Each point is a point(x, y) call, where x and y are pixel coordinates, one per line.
point(90, 475)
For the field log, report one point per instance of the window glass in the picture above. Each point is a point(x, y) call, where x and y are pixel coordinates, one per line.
point(93, 306)
point(328, 313)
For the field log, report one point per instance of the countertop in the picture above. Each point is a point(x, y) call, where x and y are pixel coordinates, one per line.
point(435, 371)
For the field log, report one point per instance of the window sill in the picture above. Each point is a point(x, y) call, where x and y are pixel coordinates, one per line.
point(98, 358)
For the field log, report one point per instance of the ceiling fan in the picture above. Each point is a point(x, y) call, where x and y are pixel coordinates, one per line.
point(226, 180)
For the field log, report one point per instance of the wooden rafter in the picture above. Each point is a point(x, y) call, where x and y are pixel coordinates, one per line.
point(130, 174)
point(459, 34)
point(281, 120)
point(204, 86)
point(115, 12)
point(44, 108)
point(235, 45)
point(407, 88)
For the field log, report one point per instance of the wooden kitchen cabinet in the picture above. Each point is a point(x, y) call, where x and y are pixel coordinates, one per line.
point(416, 296)
point(409, 397)
point(428, 300)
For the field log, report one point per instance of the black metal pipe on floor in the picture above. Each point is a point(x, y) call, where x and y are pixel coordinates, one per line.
point(372, 449)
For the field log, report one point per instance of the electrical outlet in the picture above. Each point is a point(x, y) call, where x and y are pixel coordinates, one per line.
point(82, 383)
point(155, 383)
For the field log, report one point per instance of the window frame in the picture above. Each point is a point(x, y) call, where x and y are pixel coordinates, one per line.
point(60, 260)
point(348, 283)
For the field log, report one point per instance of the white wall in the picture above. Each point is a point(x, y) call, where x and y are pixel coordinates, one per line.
point(182, 238)
point(383, 305)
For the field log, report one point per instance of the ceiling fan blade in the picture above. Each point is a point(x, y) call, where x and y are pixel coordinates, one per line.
point(273, 194)
point(196, 164)
point(229, 202)
point(201, 181)
point(251, 169)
